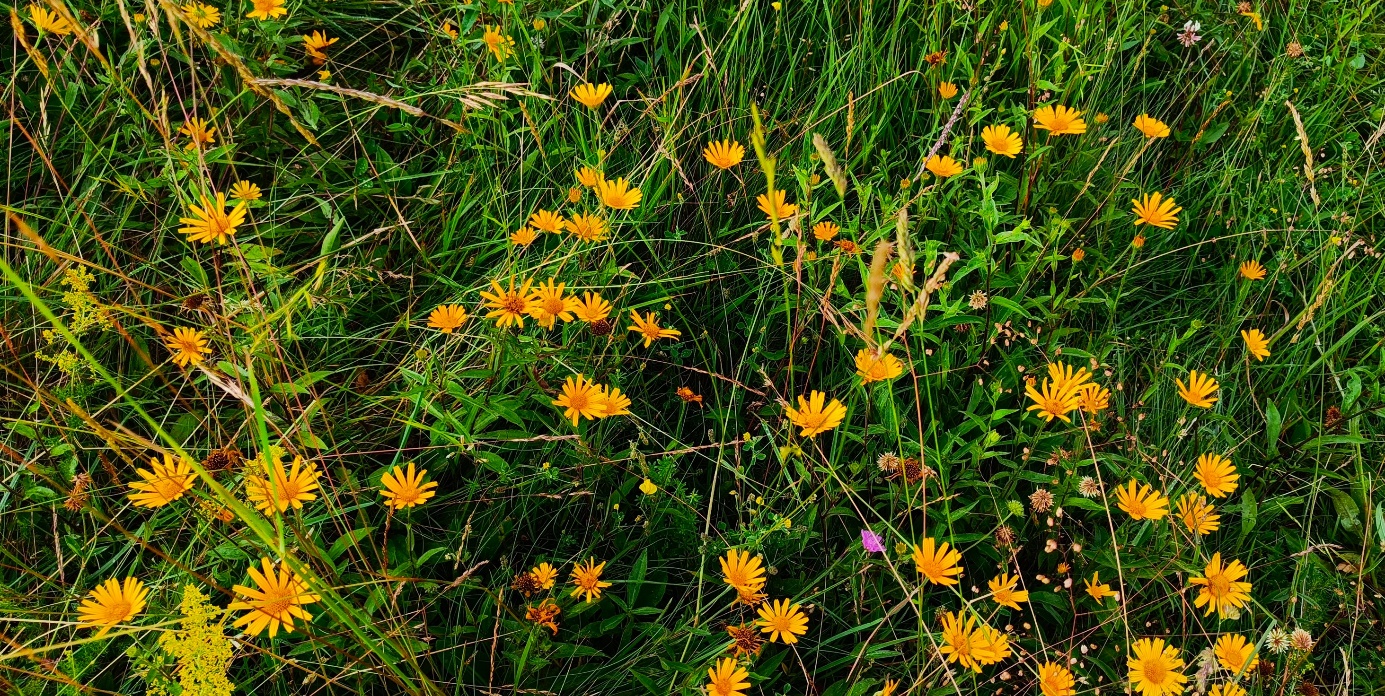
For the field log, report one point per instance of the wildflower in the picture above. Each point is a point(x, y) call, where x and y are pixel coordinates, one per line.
point(872, 542)
point(1294, 50)
point(590, 95)
point(1097, 589)
point(877, 367)
point(163, 482)
point(187, 345)
point(1217, 474)
point(500, 45)
point(1156, 211)
point(199, 131)
point(1055, 680)
point(1093, 398)
point(450, 31)
point(943, 166)
point(1059, 120)
point(1154, 668)
point(405, 489)
point(815, 414)
point(201, 14)
point(1199, 391)
point(447, 318)
point(547, 221)
point(1189, 36)
point(648, 487)
point(689, 396)
point(1301, 640)
point(245, 191)
point(523, 236)
point(846, 246)
point(1222, 587)
point(1000, 140)
point(612, 402)
point(548, 304)
point(1197, 514)
point(1078, 255)
point(210, 222)
point(200, 647)
point(937, 562)
point(725, 154)
point(525, 584)
point(1088, 487)
point(574, 194)
point(276, 601)
point(1245, 10)
point(947, 90)
point(509, 306)
point(283, 488)
point(589, 177)
point(1252, 270)
point(1256, 344)
point(1041, 501)
point(267, 9)
point(649, 327)
point(315, 45)
point(1227, 689)
point(49, 22)
point(824, 231)
point(545, 614)
point(1277, 640)
point(996, 642)
point(745, 573)
point(1151, 127)
point(588, 228)
point(1056, 399)
point(1235, 654)
point(936, 58)
point(111, 604)
point(587, 578)
point(727, 679)
point(782, 621)
point(774, 206)
point(590, 308)
point(963, 643)
point(545, 575)
point(1003, 591)
point(745, 640)
point(1144, 504)
point(617, 194)
point(580, 399)
point(539, 24)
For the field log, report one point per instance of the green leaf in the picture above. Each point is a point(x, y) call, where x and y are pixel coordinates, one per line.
point(351, 538)
point(1348, 513)
point(1273, 424)
point(1248, 512)
point(635, 580)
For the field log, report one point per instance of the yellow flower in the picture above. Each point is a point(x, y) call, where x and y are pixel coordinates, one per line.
point(589, 177)
point(1256, 343)
point(210, 222)
point(315, 45)
point(613, 403)
point(524, 236)
point(1060, 394)
point(164, 482)
point(544, 575)
point(587, 578)
point(727, 678)
point(745, 573)
point(1197, 514)
point(1097, 589)
point(509, 306)
point(283, 488)
point(1142, 504)
point(111, 604)
point(500, 45)
point(996, 642)
point(1139, 241)
point(1222, 587)
point(1078, 255)
point(782, 621)
point(405, 489)
point(617, 194)
point(648, 487)
point(873, 367)
point(1216, 474)
point(1156, 211)
point(447, 318)
point(574, 194)
point(1059, 120)
point(539, 24)
point(187, 345)
point(1004, 593)
point(49, 22)
point(1002, 141)
point(580, 399)
point(1093, 398)
point(649, 327)
point(277, 600)
point(246, 191)
point(590, 95)
point(963, 643)
point(545, 614)
point(725, 154)
point(815, 415)
point(1227, 689)
point(774, 205)
point(824, 231)
point(943, 166)
point(1252, 270)
point(1236, 654)
point(937, 562)
point(588, 228)
point(549, 304)
point(947, 90)
point(1151, 127)
point(1154, 668)
point(591, 308)
point(267, 9)
point(203, 15)
point(547, 221)
point(199, 131)
point(450, 31)
point(1199, 391)
point(1055, 680)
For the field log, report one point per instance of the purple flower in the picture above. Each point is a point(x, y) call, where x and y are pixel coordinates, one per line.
point(872, 542)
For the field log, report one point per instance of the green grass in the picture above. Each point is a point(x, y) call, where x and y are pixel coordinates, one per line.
point(317, 315)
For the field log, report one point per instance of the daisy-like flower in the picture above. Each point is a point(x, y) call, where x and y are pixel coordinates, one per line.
point(815, 414)
point(1235, 654)
point(588, 228)
point(509, 306)
point(587, 580)
point(1302, 640)
point(1097, 589)
point(1089, 487)
point(943, 166)
point(613, 403)
point(774, 205)
point(549, 304)
point(1256, 344)
point(187, 345)
point(1004, 593)
point(782, 621)
point(49, 22)
point(1093, 398)
point(276, 600)
point(947, 90)
point(589, 177)
point(199, 132)
point(1277, 640)
point(1139, 241)
point(1222, 589)
point(283, 488)
point(648, 326)
point(1151, 127)
point(315, 45)
point(545, 614)
point(590, 95)
point(210, 222)
point(453, 34)
point(112, 603)
point(574, 194)
point(201, 14)
point(728, 678)
point(745, 573)
point(547, 221)
point(963, 644)
point(447, 318)
point(591, 308)
point(1000, 140)
point(1199, 516)
point(405, 488)
point(267, 9)
point(523, 236)
point(500, 45)
point(1227, 689)
point(1059, 120)
point(162, 483)
point(877, 367)
point(1252, 270)
point(996, 641)
point(617, 194)
point(1055, 399)
point(1199, 391)
point(1217, 474)
point(937, 562)
point(545, 575)
point(580, 399)
point(1154, 667)
point(1055, 680)
point(245, 191)
point(1156, 211)
point(725, 154)
point(824, 231)
point(1142, 504)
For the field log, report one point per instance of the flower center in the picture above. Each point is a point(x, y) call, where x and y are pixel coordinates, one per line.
point(1218, 586)
point(117, 611)
point(513, 303)
point(1155, 671)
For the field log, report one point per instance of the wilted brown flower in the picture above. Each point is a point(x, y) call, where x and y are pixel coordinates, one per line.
point(601, 327)
point(745, 640)
point(1005, 536)
point(77, 498)
point(1041, 501)
point(525, 584)
point(1294, 49)
point(223, 459)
